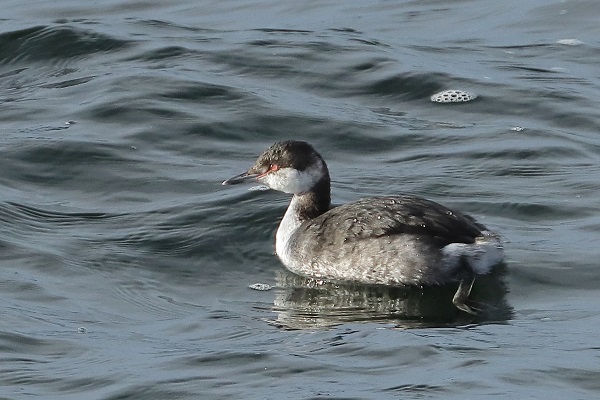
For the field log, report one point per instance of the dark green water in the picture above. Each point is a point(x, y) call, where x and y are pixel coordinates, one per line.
point(125, 265)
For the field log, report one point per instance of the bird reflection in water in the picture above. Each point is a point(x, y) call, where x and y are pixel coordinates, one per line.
point(308, 303)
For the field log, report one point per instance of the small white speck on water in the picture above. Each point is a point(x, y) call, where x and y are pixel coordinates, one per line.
point(570, 42)
point(260, 286)
point(517, 129)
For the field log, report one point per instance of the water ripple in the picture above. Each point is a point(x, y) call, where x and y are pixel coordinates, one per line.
point(52, 43)
point(125, 265)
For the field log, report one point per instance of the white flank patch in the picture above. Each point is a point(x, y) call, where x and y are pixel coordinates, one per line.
point(482, 255)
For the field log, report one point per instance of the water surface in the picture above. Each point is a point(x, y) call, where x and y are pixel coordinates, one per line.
point(125, 266)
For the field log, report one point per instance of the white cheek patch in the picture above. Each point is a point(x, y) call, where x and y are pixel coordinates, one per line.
point(282, 180)
point(290, 180)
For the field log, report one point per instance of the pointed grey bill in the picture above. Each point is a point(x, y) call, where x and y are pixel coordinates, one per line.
point(241, 178)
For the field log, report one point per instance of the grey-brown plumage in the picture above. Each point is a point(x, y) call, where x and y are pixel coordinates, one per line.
point(396, 240)
point(395, 215)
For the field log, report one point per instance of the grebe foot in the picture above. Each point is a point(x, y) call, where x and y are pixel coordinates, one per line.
point(462, 295)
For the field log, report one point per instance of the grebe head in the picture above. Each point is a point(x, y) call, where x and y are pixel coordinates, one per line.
point(290, 167)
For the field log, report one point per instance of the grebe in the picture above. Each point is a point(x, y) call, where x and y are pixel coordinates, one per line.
point(395, 240)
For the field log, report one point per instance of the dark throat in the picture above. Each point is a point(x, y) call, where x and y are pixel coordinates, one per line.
point(316, 201)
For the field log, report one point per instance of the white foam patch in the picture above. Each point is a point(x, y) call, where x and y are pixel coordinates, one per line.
point(453, 96)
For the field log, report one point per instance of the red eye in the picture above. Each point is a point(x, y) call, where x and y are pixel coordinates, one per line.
point(272, 168)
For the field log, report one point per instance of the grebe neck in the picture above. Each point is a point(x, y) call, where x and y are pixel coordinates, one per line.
point(303, 207)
